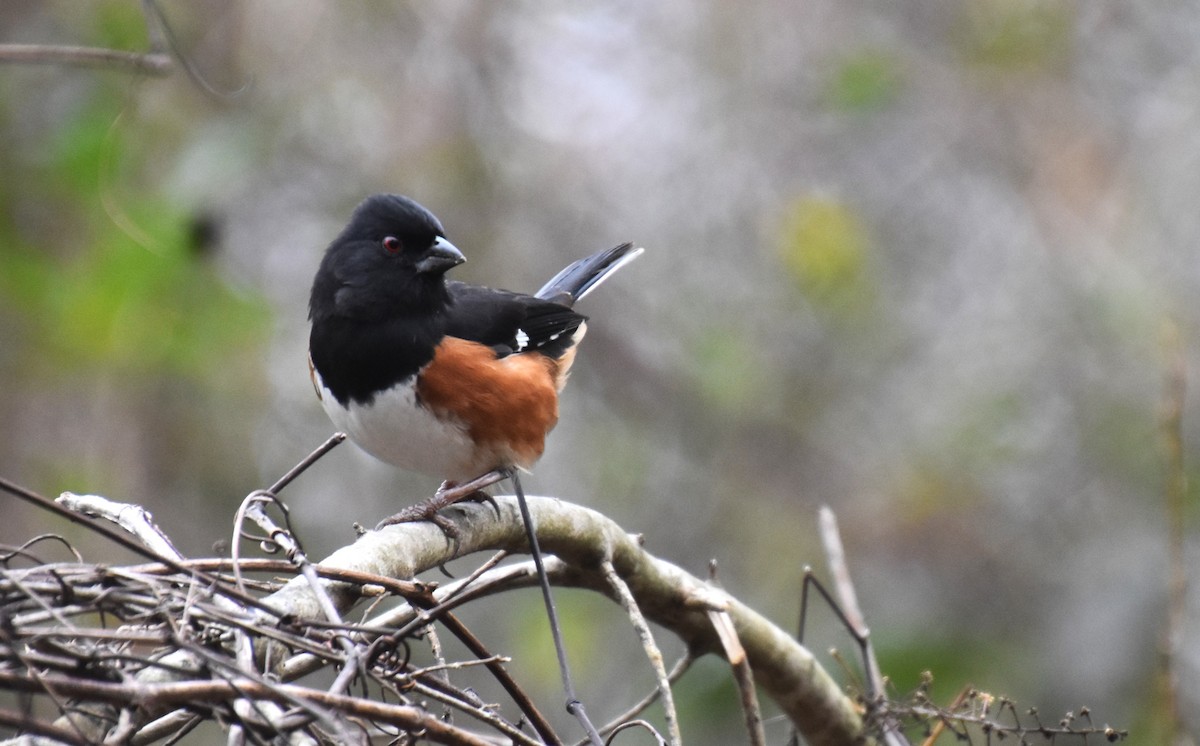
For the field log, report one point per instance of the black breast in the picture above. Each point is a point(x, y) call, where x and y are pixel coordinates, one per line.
point(357, 360)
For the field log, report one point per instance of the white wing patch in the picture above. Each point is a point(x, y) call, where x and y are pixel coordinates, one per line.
point(522, 340)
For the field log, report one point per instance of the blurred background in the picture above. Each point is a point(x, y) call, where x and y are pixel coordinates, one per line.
point(929, 263)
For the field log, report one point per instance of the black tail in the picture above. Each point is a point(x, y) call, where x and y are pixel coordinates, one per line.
point(581, 277)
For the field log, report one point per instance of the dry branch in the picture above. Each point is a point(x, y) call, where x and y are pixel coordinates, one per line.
point(583, 539)
point(179, 652)
point(151, 63)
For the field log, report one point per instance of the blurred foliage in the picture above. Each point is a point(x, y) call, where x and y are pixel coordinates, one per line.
point(955, 664)
point(115, 24)
point(726, 370)
point(708, 699)
point(825, 248)
point(1154, 724)
point(129, 292)
point(1020, 35)
point(126, 339)
point(865, 82)
point(928, 491)
point(82, 148)
point(123, 307)
point(586, 621)
point(1116, 432)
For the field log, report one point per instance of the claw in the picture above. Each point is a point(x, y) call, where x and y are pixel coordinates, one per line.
point(448, 494)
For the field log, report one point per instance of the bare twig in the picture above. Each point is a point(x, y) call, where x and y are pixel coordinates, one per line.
point(835, 555)
point(636, 724)
point(575, 705)
point(482, 714)
point(9, 553)
point(25, 723)
point(254, 510)
point(1174, 395)
point(163, 37)
point(119, 538)
point(173, 722)
point(742, 675)
point(653, 654)
point(133, 518)
point(60, 650)
point(198, 692)
point(681, 666)
point(940, 726)
point(491, 562)
point(152, 63)
point(330, 443)
point(426, 605)
point(996, 719)
point(138, 521)
point(45, 503)
point(193, 620)
point(442, 667)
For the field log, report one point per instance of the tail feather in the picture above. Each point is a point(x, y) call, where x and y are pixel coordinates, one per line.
point(581, 277)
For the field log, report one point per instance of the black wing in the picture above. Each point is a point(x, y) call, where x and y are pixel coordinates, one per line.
point(510, 322)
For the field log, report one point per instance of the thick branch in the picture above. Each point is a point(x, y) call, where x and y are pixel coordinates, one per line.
point(583, 538)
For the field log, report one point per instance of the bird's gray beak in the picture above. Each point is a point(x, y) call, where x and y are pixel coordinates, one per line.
point(442, 255)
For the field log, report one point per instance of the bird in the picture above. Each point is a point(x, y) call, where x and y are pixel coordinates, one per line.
point(433, 375)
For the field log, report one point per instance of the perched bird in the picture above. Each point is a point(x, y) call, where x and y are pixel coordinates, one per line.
point(457, 381)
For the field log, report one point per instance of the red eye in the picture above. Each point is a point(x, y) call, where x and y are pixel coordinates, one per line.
point(393, 245)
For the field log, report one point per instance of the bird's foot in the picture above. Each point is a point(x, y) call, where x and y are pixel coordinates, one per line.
point(448, 494)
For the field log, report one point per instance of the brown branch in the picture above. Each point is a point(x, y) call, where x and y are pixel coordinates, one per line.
point(479, 711)
point(742, 675)
point(25, 724)
point(497, 669)
point(425, 606)
point(153, 63)
point(188, 606)
point(172, 694)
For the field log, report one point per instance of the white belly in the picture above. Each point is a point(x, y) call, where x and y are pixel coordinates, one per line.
point(395, 430)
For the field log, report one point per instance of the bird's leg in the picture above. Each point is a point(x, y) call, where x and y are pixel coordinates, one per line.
point(477, 494)
point(446, 495)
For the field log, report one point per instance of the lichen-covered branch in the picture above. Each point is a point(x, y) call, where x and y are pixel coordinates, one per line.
point(583, 538)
